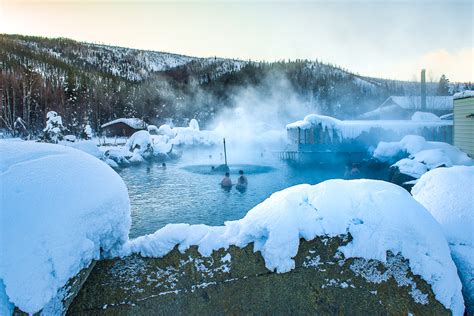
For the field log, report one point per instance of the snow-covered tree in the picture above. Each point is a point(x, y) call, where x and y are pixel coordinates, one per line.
point(86, 132)
point(19, 128)
point(443, 86)
point(54, 128)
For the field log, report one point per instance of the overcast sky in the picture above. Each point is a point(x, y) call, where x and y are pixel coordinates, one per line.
point(390, 39)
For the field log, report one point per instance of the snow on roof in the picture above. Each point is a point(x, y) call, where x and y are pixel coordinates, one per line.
point(59, 208)
point(133, 122)
point(354, 128)
point(306, 211)
point(464, 94)
point(443, 103)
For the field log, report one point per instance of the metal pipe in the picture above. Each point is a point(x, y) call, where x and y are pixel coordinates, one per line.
point(225, 154)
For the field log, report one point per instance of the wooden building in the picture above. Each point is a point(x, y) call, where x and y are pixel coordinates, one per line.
point(323, 138)
point(403, 107)
point(123, 127)
point(464, 122)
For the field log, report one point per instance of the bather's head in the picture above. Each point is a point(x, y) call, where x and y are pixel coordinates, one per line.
point(227, 174)
point(241, 172)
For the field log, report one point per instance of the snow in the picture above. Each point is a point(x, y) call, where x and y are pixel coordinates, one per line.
point(410, 167)
point(304, 211)
point(194, 125)
point(464, 94)
point(424, 116)
point(448, 194)
point(60, 209)
point(6, 307)
point(414, 102)
point(353, 129)
point(141, 142)
point(87, 146)
point(133, 122)
point(429, 154)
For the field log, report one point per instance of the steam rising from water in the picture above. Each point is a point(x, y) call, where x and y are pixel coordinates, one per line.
point(255, 125)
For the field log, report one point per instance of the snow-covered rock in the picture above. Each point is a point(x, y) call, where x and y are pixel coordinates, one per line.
point(379, 216)
point(422, 155)
point(60, 209)
point(141, 142)
point(448, 194)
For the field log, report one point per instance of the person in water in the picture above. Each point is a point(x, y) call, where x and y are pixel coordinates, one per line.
point(226, 182)
point(163, 165)
point(242, 181)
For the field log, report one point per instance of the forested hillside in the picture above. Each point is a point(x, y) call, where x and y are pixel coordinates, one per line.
point(92, 84)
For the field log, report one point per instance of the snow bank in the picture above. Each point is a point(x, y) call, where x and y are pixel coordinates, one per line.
point(448, 194)
point(423, 155)
point(353, 129)
point(425, 116)
point(60, 208)
point(304, 211)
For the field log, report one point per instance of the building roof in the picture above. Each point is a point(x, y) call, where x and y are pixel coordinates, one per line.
point(133, 122)
point(440, 103)
point(464, 94)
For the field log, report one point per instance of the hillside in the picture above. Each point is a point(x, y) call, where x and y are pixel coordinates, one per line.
point(91, 83)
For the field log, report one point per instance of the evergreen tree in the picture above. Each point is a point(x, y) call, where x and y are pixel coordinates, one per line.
point(443, 86)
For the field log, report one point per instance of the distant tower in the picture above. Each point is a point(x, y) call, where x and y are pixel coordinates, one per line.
point(423, 90)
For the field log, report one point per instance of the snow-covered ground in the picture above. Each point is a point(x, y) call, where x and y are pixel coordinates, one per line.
point(60, 209)
point(422, 155)
point(448, 194)
point(304, 211)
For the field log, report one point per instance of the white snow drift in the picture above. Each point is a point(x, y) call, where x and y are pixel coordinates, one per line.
point(380, 217)
point(448, 194)
point(60, 209)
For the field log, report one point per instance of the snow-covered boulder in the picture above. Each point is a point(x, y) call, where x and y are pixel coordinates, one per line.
point(419, 156)
point(61, 208)
point(140, 141)
point(379, 216)
point(448, 194)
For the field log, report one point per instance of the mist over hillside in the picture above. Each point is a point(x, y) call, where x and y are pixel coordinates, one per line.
point(91, 83)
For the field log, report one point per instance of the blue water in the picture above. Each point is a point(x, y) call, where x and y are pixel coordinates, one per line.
point(192, 194)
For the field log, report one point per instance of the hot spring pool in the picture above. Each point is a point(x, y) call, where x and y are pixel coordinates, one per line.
point(192, 194)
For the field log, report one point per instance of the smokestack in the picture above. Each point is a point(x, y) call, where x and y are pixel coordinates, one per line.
point(423, 90)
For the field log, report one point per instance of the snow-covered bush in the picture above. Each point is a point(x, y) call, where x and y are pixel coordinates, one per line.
point(448, 194)
point(53, 132)
point(379, 216)
point(61, 208)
